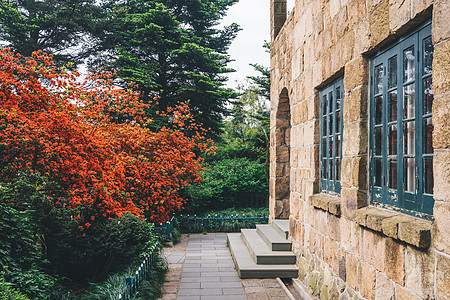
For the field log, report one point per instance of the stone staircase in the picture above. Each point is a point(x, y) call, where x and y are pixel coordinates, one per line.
point(264, 252)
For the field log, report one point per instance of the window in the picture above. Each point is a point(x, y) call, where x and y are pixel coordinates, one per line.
point(401, 147)
point(331, 136)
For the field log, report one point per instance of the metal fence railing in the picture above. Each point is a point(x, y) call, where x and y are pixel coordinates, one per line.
point(216, 219)
point(133, 283)
point(164, 230)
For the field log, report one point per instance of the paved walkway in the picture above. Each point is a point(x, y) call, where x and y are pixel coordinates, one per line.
point(201, 268)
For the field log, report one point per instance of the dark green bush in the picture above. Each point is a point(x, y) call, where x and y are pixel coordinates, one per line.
point(228, 183)
point(9, 293)
point(90, 254)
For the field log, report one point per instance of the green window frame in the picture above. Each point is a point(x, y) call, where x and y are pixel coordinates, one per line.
point(331, 100)
point(401, 146)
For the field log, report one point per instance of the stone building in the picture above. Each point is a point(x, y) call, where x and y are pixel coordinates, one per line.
point(360, 145)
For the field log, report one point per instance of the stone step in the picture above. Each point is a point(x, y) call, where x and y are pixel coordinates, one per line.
point(282, 226)
point(261, 253)
point(246, 266)
point(273, 239)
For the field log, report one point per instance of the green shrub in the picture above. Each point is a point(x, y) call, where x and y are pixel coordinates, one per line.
point(227, 183)
point(9, 293)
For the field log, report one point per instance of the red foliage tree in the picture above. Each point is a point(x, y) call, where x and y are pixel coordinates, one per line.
point(64, 127)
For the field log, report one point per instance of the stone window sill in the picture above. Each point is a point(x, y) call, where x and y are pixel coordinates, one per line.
point(329, 203)
point(409, 229)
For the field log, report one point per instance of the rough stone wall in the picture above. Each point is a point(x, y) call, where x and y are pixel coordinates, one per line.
point(345, 251)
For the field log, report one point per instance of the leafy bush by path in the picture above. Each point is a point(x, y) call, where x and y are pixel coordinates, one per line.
point(225, 183)
point(9, 293)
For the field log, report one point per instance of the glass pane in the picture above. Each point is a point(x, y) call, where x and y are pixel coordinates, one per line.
point(409, 175)
point(338, 145)
point(428, 136)
point(393, 106)
point(392, 136)
point(338, 169)
point(378, 172)
point(427, 56)
point(408, 138)
point(378, 109)
point(330, 161)
point(409, 101)
point(408, 64)
point(392, 72)
point(330, 124)
point(324, 171)
point(324, 147)
point(338, 121)
point(393, 174)
point(324, 105)
point(324, 126)
point(428, 175)
point(378, 140)
point(330, 147)
point(378, 80)
point(330, 102)
point(428, 95)
point(338, 98)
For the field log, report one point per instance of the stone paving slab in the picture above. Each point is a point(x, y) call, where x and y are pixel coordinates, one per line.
point(202, 269)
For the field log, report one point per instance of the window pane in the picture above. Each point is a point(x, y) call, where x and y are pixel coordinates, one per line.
point(324, 126)
point(378, 80)
point(427, 56)
point(378, 172)
point(338, 98)
point(338, 145)
point(378, 141)
point(330, 162)
point(392, 72)
point(324, 147)
point(428, 175)
point(393, 174)
point(330, 102)
point(409, 101)
point(428, 136)
point(378, 109)
point(428, 95)
point(409, 175)
point(409, 138)
point(324, 105)
point(324, 169)
point(330, 124)
point(338, 121)
point(393, 106)
point(408, 65)
point(330, 147)
point(338, 169)
point(392, 136)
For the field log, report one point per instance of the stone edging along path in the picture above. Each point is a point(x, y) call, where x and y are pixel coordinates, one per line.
point(201, 268)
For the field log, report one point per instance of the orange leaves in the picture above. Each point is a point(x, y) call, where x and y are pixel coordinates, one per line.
point(90, 138)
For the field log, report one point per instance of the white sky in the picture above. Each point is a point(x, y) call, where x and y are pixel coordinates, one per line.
point(254, 18)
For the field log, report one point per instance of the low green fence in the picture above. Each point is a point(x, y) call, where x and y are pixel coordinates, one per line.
point(216, 223)
point(133, 283)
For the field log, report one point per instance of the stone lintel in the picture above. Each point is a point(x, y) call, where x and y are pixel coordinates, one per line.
point(329, 203)
point(408, 229)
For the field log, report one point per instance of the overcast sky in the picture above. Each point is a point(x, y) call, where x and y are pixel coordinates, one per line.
point(254, 18)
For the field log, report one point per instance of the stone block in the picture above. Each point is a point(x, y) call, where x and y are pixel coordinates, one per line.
point(360, 215)
point(341, 23)
point(375, 218)
point(441, 68)
point(390, 225)
point(352, 199)
point(356, 139)
point(419, 6)
point(334, 256)
point(316, 241)
point(334, 227)
point(367, 281)
point(395, 261)
point(417, 233)
point(356, 11)
point(334, 207)
point(362, 37)
point(441, 115)
point(399, 13)
point(379, 23)
point(420, 272)
point(359, 173)
point(302, 265)
point(403, 294)
point(441, 225)
point(348, 45)
point(357, 105)
point(441, 166)
point(374, 247)
point(352, 271)
point(282, 154)
point(384, 288)
point(443, 277)
point(440, 28)
point(346, 171)
point(281, 188)
point(356, 73)
point(351, 237)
